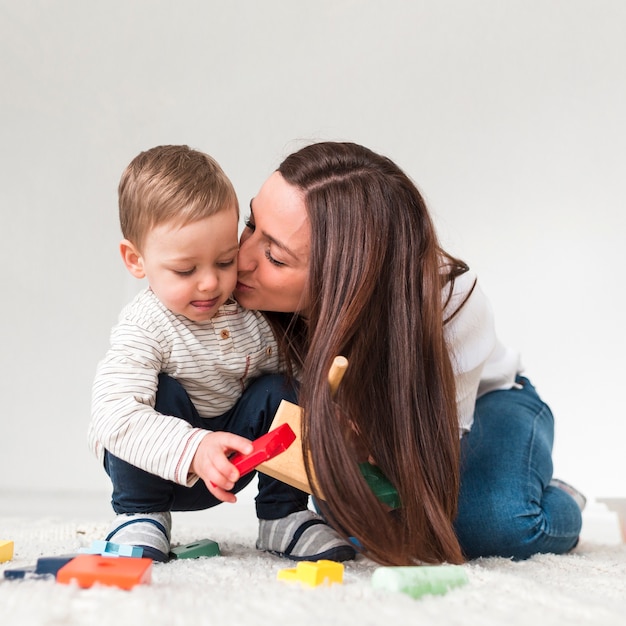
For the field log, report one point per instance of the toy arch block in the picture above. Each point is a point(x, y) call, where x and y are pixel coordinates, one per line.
point(6, 551)
point(124, 572)
point(314, 574)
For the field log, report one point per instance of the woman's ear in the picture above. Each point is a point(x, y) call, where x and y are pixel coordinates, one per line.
point(132, 258)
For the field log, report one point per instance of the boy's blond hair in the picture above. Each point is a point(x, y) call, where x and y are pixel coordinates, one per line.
point(171, 184)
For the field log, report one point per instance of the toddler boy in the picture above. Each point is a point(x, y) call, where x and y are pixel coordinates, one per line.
point(190, 377)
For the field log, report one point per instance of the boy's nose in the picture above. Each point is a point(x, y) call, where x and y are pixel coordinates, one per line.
point(208, 282)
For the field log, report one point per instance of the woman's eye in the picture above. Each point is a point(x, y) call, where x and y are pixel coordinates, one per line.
point(248, 223)
point(271, 259)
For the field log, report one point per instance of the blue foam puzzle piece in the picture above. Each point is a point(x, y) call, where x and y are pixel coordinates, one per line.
point(108, 548)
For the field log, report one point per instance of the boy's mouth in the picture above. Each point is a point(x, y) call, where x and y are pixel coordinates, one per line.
point(204, 304)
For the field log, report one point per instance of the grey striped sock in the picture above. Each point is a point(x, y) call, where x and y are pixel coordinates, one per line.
point(151, 531)
point(303, 536)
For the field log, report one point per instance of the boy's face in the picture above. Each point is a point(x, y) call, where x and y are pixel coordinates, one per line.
point(192, 269)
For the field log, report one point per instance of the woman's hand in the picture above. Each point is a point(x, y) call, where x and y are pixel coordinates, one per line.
point(211, 464)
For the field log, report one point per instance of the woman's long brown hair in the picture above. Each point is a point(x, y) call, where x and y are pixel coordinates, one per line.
point(375, 286)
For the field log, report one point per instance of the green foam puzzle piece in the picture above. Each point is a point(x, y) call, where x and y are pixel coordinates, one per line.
point(204, 547)
point(421, 580)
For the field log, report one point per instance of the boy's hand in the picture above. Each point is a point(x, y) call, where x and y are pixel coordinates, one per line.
point(211, 464)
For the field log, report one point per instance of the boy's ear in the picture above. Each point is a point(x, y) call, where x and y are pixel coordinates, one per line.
point(132, 258)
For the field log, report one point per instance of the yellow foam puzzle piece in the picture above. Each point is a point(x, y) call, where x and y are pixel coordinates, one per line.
point(6, 551)
point(314, 574)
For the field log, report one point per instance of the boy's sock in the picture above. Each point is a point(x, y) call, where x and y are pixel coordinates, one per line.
point(303, 536)
point(150, 531)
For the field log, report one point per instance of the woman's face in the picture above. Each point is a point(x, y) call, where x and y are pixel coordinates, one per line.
point(273, 261)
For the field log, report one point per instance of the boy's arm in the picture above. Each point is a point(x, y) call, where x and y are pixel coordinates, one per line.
point(123, 417)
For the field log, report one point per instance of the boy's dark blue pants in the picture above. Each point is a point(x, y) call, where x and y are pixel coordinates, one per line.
point(137, 491)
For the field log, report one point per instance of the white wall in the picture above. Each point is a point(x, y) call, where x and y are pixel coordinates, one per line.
point(508, 114)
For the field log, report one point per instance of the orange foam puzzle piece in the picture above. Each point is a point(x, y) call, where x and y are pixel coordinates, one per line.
point(123, 572)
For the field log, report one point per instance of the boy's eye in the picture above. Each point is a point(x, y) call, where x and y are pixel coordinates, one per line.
point(184, 272)
point(226, 264)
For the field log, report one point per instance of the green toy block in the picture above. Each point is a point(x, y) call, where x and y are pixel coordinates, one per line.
point(380, 485)
point(204, 547)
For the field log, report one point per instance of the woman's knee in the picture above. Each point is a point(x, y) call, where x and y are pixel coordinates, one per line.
point(550, 526)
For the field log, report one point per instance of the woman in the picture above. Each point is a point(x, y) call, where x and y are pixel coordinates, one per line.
point(342, 256)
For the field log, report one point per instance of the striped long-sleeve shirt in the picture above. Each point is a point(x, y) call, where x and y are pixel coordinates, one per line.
point(212, 360)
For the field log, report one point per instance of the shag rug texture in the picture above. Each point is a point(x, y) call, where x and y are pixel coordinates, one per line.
point(240, 587)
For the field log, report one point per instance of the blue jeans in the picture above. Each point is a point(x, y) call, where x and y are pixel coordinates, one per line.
point(137, 491)
point(506, 506)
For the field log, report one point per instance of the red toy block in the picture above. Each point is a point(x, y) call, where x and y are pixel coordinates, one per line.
point(266, 447)
point(123, 572)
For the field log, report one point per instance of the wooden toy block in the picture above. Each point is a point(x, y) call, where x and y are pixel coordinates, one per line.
point(123, 572)
point(6, 551)
point(205, 547)
point(289, 466)
point(313, 574)
point(108, 548)
point(420, 580)
point(268, 446)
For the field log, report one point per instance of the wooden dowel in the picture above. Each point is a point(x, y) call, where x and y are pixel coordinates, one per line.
point(336, 372)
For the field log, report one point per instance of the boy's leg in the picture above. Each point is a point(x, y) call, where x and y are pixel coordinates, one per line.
point(507, 506)
point(136, 491)
point(143, 501)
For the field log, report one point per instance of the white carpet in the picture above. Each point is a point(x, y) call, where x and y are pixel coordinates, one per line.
point(240, 587)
